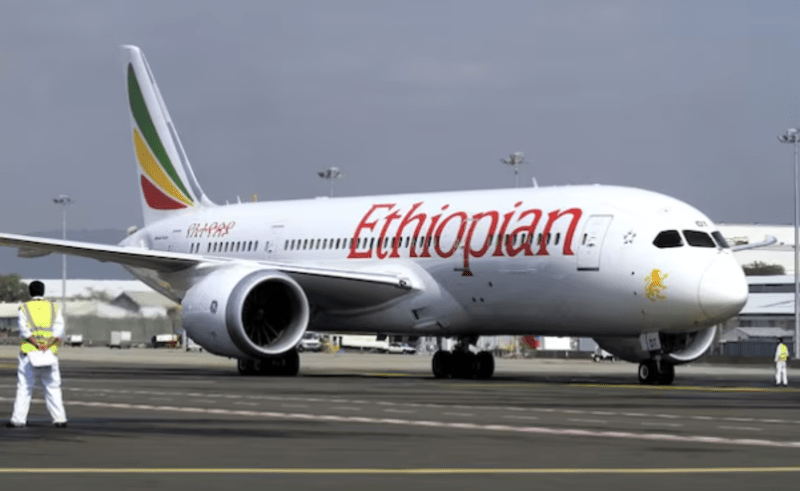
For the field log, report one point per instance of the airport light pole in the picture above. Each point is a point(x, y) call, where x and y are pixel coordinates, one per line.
point(515, 160)
point(331, 174)
point(791, 136)
point(64, 201)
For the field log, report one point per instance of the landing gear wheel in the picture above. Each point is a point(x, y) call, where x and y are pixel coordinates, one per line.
point(464, 364)
point(484, 365)
point(647, 372)
point(667, 374)
point(291, 364)
point(442, 364)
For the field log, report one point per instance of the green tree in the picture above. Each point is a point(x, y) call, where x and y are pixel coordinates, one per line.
point(758, 268)
point(12, 289)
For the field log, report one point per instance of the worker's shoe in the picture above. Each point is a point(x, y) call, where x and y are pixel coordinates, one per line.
point(61, 424)
point(14, 425)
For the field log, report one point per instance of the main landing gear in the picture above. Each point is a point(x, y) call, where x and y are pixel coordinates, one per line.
point(462, 363)
point(656, 372)
point(285, 365)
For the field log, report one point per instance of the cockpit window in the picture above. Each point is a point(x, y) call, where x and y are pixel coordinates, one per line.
point(668, 238)
point(720, 240)
point(698, 239)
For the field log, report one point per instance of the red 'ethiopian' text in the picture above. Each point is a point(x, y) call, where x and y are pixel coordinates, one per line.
point(443, 233)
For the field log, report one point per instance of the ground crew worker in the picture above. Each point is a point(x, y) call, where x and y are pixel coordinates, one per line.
point(41, 326)
point(781, 355)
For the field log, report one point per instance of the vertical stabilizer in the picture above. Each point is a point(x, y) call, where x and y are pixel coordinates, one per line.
point(166, 180)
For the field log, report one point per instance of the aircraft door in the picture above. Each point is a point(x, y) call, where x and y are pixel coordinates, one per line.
point(591, 242)
point(273, 241)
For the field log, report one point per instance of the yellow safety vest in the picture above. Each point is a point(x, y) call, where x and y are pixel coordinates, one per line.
point(40, 314)
point(784, 353)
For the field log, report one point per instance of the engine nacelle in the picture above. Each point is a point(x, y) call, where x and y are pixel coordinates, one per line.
point(677, 348)
point(246, 313)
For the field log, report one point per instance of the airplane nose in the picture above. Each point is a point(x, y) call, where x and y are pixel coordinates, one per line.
point(723, 288)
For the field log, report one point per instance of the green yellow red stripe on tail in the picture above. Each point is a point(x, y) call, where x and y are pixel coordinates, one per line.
point(166, 179)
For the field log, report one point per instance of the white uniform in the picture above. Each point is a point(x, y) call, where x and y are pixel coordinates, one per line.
point(780, 365)
point(27, 375)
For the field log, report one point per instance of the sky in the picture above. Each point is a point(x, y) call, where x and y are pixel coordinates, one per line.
point(683, 98)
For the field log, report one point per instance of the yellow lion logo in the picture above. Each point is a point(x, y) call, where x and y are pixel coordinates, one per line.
point(653, 284)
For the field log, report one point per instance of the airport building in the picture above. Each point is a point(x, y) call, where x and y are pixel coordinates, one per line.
point(95, 308)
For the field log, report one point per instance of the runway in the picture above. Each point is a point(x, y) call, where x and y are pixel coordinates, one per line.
point(169, 419)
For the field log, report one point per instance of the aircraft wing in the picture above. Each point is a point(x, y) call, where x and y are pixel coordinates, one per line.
point(768, 241)
point(167, 262)
point(328, 287)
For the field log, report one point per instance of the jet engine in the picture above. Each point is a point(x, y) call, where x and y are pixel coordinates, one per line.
point(246, 313)
point(676, 348)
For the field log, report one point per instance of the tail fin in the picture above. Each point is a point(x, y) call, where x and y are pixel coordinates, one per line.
point(166, 179)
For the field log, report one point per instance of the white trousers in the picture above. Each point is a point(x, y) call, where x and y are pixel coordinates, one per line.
point(780, 373)
point(27, 376)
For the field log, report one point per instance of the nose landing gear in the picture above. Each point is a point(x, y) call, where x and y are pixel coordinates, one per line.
point(463, 363)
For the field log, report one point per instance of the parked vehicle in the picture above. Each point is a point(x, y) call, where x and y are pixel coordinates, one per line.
point(377, 344)
point(165, 340)
point(120, 339)
point(601, 354)
point(401, 349)
point(73, 340)
point(311, 342)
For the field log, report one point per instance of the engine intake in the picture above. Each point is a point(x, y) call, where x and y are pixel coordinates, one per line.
point(246, 313)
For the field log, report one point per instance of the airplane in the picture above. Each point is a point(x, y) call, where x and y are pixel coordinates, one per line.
point(647, 276)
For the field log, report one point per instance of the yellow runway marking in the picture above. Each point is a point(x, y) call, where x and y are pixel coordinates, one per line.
point(411, 471)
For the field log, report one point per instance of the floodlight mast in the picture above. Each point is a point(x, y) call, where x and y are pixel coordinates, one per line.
point(64, 201)
point(791, 136)
point(331, 174)
point(515, 160)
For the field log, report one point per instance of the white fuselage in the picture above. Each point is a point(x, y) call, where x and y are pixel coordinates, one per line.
point(573, 260)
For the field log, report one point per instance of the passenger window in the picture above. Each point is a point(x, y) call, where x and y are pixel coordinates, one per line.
point(668, 238)
point(698, 239)
point(720, 240)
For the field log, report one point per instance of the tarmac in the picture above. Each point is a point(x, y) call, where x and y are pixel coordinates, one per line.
point(169, 419)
